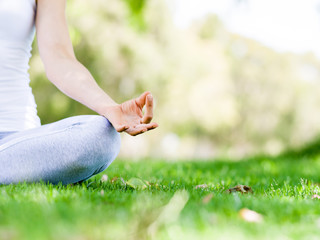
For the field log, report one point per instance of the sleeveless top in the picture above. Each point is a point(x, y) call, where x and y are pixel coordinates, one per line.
point(18, 110)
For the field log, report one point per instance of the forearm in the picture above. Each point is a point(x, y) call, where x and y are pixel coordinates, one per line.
point(74, 80)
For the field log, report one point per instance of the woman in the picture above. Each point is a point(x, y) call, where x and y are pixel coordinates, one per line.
point(70, 150)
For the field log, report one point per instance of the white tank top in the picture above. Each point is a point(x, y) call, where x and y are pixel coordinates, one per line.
point(18, 110)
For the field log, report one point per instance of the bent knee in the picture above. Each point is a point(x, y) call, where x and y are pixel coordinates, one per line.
point(102, 142)
point(105, 134)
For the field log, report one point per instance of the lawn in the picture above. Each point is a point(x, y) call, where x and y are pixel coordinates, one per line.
point(169, 204)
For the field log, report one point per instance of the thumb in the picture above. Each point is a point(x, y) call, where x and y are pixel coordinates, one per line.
point(141, 101)
point(121, 128)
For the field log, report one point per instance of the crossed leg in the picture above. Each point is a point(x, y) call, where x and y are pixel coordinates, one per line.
point(68, 151)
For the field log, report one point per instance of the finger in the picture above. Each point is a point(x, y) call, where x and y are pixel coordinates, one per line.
point(148, 115)
point(121, 128)
point(136, 131)
point(148, 126)
point(153, 126)
point(141, 128)
point(141, 101)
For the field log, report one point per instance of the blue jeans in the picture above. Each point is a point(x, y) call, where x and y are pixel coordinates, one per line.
point(68, 151)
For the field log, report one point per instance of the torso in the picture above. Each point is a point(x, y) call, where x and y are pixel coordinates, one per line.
point(17, 106)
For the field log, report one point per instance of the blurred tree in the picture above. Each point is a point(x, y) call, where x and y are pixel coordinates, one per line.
point(216, 93)
point(136, 13)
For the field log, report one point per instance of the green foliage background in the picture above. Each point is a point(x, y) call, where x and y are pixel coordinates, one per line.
point(217, 93)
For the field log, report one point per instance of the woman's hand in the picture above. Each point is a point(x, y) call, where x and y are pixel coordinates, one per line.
point(128, 117)
point(74, 80)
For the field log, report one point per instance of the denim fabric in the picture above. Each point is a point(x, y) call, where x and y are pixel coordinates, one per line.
point(68, 151)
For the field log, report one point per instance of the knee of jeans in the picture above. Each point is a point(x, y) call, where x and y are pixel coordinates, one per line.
point(107, 143)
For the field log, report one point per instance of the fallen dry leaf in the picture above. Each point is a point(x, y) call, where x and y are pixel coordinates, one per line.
point(118, 180)
point(207, 198)
point(240, 188)
point(315, 196)
point(137, 183)
point(250, 216)
point(202, 186)
point(114, 179)
point(104, 178)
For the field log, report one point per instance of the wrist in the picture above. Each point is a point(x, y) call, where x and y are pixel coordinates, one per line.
point(107, 108)
point(103, 103)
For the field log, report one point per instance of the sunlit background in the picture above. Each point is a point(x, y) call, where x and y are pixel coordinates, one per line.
point(231, 78)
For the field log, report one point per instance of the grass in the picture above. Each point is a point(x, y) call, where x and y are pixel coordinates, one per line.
point(171, 207)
